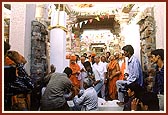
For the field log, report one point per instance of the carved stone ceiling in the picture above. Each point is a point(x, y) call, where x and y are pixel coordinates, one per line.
point(86, 11)
point(91, 7)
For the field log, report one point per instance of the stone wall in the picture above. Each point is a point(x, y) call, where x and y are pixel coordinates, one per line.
point(147, 37)
point(6, 29)
point(39, 61)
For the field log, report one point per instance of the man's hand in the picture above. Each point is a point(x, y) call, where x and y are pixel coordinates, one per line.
point(134, 104)
point(124, 78)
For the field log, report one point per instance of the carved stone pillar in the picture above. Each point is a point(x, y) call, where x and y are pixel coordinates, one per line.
point(38, 61)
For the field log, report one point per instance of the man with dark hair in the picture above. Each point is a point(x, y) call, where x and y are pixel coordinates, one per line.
point(68, 71)
point(85, 55)
point(88, 70)
point(157, 56)
point(54, 98)
point(108, 54)
point(134, 90)
point(87, 64)
point(93, 74)
point(148, 101)
point(128, 48)
point(158, 52)
point(101, 71)
point(134, 72)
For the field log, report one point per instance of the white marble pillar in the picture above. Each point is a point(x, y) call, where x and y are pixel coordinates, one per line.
point(132, 37)
point(160, 24)
point(20, 29)
point(58, 41)
point(131, 34)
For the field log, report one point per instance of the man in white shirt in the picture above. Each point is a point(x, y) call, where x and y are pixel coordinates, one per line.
point(101, 70)
point(83, 73)
point(103, 59)
point(88, 100)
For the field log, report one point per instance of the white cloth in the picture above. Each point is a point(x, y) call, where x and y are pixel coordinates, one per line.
point(80, 65)
point(96, 73)
point(104, 105)
point(109, 105)
point(105, 64)
point(43, 90)
point(101, 69)
point(82, 75)
point(161, 101)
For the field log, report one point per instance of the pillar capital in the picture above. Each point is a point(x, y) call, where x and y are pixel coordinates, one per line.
point(41, 12)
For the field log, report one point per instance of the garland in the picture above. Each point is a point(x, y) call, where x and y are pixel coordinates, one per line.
point(110, 12)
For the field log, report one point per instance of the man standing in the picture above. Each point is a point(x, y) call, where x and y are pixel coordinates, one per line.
point(157, 56)
point(134, 72)
point(99, 67)
point(54, 98)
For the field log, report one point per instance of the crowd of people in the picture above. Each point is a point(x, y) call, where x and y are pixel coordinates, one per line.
point(109, 76)
point(106, 76)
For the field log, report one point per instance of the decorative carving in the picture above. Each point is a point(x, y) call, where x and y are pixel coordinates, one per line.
point(58, 26)
point(84, 5)
point(147, 37)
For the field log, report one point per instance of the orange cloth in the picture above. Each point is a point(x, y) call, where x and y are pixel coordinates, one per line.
point(74, 77)
point(123, 67)
point(8, 61)
point(12, 58)
point(112, 69)
point(112, 64)
point(93, 54)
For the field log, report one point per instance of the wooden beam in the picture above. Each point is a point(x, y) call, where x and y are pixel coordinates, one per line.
point(127, 8)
